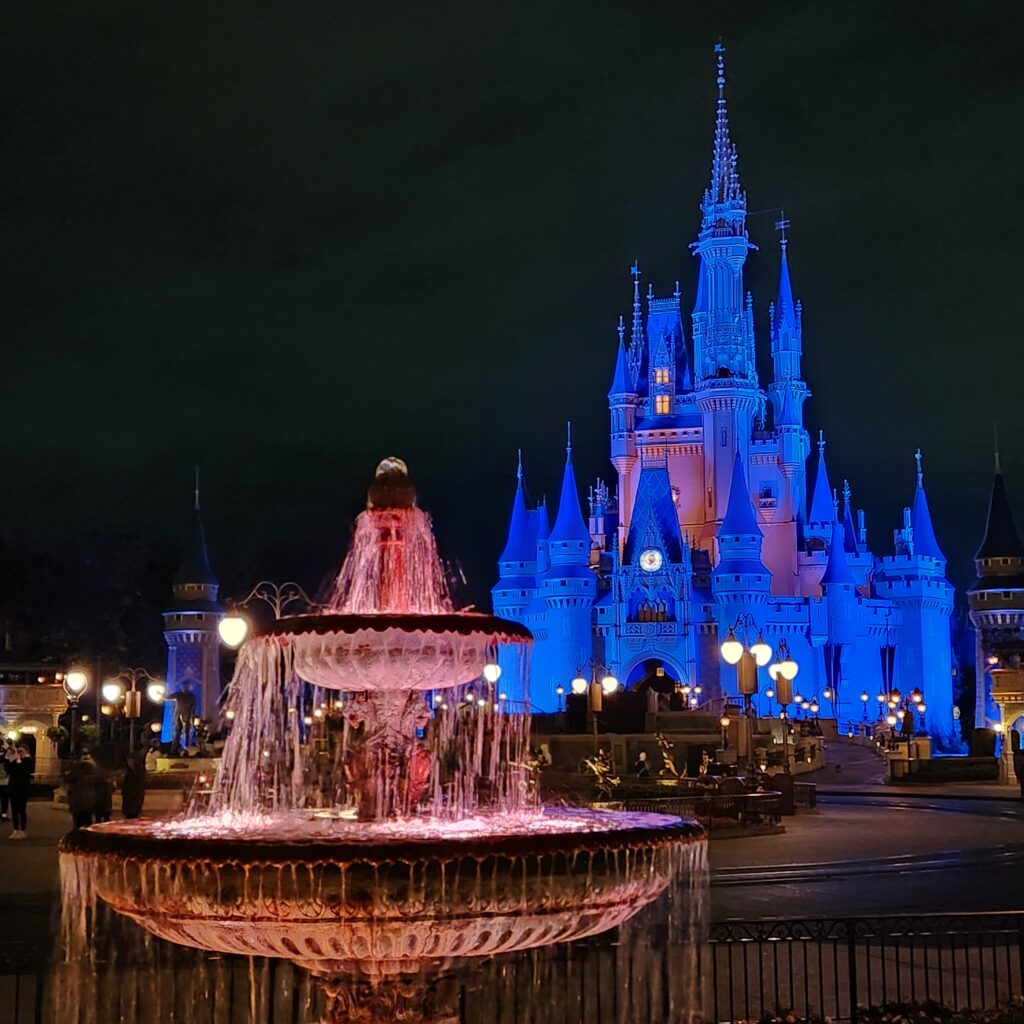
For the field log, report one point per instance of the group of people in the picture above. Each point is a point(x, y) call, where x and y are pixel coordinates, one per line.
point(90, 790)
point(16, 768)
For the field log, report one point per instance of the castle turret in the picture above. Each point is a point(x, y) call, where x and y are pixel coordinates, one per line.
point(727, 392)
point(821, 515)
point(914, 579)
point(190, 630)
point(997, 595)
point(517, 566)
point(740, 572)
point(568, 589)
point(622, 402)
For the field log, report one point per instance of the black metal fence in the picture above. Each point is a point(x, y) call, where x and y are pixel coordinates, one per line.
point(830, 968)
point(715, 810)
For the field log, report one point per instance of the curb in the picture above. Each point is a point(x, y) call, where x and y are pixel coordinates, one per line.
point(918, 795)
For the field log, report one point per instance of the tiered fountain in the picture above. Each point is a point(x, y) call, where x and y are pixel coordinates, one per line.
point(375, 811)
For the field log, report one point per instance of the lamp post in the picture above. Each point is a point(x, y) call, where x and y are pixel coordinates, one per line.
point(234, 627)
point(126, 684)
point(76, 682)
point(783, 671)
point(748, 657)
point(864, 698)
point(602, 684)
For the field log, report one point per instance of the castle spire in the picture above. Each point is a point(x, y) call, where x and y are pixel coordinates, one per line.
point(519, 545)
point(821, 500)
point(1001, 538)
point(850, 543)
point(569, 524)
point(739, 513)
point(724, 195)
point(636, 337)
point(837, 569)
point(195, 566)
point(784, 315)
point(921, 518)
point(622, 382)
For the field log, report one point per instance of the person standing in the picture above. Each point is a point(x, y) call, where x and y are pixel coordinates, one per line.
point(81, 789)
point(5, 800)
point(104, 796)
point(19, 775)
point(133, 788)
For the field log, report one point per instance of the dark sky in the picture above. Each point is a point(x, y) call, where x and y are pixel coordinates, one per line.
point(284, 240)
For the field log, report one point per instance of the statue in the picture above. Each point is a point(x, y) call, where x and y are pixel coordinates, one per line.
point(603, 769)
point(183, 716)
point(668, 769)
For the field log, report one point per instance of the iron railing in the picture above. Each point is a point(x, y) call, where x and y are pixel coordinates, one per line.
point(829, 968)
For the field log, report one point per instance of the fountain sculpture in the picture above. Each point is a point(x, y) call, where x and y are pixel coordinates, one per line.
point(375, 810)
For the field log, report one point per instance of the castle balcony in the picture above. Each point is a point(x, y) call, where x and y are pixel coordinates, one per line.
point(1008, 686)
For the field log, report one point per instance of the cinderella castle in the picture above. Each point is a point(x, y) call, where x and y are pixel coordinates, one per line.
point(717, 524)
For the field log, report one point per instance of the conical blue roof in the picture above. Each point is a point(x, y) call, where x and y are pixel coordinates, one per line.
point(822, 509)
point(921, 521)
point(621, 382)
point(740, 519)
point(520, 545)
point(654, 522)
point(543, 525)
point(569, 524)
point(837, 570)
point(195, 566)
point(785, 307)
point(1001, 538)
point(850, 544)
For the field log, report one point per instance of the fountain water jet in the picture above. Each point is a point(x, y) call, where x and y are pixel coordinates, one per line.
point(398, 829)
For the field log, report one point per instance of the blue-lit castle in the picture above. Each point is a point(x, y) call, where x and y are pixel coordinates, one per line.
point(714, 518)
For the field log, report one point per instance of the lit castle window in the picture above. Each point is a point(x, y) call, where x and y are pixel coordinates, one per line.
point(661, 376)
point(661, 405)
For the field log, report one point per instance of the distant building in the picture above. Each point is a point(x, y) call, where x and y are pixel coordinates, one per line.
point(190, 630)
point(996, 598)
point(713, 515)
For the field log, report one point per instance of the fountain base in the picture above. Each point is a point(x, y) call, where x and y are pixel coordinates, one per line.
point(332, 896)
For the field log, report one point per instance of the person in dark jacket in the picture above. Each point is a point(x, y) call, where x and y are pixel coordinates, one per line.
point(104, 796)
point(133, 788)
point(81, 789)
point(19, 773)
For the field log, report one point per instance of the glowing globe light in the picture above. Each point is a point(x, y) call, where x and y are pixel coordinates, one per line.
point(814, 707)
point(156, 691)
point(890, 720)
point(798, 699)
point(724, 720)
point(76, 681)
point(773, 670)
point(881, 698)
point(762, 652)
point(233, 630)
point(864, 696)
point(826, 693)
point(154, 727)
point(308, 720)
point(492, 672)
point(769, 693)
point(732, 649)
point(788, 669)
point(502, 696)
point(609, 684)
point(922, 708)
point(579, 685)
point(230, 714)
point(112, 691)
point(693, 702)
point(916, 695)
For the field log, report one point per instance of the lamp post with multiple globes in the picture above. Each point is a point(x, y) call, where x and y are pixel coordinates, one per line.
point(783, 670)
point(748, 656)
point(125, 687)
point(601, 684)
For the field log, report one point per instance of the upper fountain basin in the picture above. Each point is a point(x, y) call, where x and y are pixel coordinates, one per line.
point(387, 651)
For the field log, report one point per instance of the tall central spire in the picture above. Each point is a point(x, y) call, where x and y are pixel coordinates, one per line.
point(724, 198)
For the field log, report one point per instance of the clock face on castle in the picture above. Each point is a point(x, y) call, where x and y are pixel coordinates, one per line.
point(650, 560)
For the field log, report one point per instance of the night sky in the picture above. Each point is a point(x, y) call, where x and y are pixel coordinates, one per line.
point(285, 240)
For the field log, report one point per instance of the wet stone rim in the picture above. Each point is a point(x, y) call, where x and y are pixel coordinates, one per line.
point(653, 831)
point(460, 623)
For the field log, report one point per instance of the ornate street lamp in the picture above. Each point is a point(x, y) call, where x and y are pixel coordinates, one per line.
point(76, 682)
point(234, 627)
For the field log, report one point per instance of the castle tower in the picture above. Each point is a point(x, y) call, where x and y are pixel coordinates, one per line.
point(517, 565)
point(727, 392)
point(190, 629)
point(740, 574)
point(622, 402)
point(914, 579)
point(568, 589)
point(787, 391)
point(996, 597)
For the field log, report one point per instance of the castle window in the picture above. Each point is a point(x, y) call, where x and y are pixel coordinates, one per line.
point(725, 438)
point(661, 406)
point(661, 376)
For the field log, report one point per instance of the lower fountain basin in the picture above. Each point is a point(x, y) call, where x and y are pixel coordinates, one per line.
point(336, 896)
point(383, 652)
